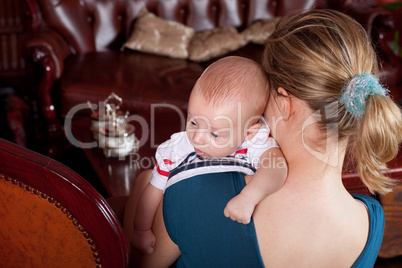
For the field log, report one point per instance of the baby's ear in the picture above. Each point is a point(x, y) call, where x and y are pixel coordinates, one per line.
point(252, 130)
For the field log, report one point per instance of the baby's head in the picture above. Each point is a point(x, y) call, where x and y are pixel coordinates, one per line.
point(225, 106)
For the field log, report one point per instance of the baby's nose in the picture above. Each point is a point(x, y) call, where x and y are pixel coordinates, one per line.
point(199, 137)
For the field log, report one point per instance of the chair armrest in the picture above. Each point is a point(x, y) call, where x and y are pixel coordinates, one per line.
point(49, 44)
point(49, 51)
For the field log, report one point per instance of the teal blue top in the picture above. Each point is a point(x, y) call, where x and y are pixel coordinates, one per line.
point(377, 223)
point(193, 214)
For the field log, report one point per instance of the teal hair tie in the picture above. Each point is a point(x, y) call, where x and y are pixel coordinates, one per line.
point(356, 91)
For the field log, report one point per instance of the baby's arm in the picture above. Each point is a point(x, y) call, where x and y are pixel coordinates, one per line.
point(269, 178)
point(143, 237)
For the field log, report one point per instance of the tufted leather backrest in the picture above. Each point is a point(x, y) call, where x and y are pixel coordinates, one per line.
point(92, 25)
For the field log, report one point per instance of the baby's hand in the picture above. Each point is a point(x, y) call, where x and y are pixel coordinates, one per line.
point(144, 241)
point(239, 209)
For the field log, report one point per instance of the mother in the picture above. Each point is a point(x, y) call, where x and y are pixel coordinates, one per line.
point(325, 101)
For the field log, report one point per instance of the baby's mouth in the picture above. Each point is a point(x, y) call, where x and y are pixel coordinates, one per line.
point(199, 152)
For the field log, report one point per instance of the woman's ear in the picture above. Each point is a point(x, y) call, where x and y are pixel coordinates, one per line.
point(285, 103)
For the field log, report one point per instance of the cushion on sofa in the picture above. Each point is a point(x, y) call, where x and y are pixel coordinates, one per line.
point(213, 43)
point(155, 35)
point(259, 30)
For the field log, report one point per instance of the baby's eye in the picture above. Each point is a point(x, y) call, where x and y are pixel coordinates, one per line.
point(193, 123)
point(214, 135)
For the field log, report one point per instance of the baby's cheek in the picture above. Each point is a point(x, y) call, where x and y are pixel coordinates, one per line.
point(222, 142)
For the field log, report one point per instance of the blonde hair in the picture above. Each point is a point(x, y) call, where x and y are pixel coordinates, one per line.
point(313, 56)
point(235, 79)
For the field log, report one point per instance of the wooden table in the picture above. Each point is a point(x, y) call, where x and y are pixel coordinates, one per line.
point(117, 175)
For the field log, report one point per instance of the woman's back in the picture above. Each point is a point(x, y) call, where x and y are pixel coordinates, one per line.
point(302, 228)
point(332, 227)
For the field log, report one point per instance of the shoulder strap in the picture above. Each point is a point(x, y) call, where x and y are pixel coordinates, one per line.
point(376, 222)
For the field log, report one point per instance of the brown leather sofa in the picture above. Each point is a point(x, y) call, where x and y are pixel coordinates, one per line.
point(75, 48)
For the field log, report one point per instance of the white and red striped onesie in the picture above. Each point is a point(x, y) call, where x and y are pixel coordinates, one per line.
point(177, 160)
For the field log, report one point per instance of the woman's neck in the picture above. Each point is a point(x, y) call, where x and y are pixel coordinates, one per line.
point(315, 169)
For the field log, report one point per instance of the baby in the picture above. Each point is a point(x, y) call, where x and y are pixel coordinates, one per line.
point(224, 126)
